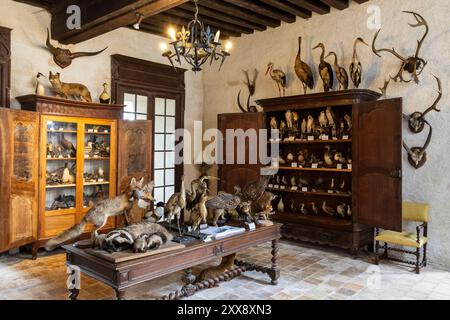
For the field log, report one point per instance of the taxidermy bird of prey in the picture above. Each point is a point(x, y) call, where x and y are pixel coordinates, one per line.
point(63, 57)
point(224, 201)
point(254, 190)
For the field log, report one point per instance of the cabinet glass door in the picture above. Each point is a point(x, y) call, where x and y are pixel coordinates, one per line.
point(61, 165)
point(96, 172)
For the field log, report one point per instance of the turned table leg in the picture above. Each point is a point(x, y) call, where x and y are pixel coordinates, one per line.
point(120, 294)
point(73, 282)
point(275, 272)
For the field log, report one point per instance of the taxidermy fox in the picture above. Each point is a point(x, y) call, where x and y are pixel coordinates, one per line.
point(98, 215)
point(76, 90)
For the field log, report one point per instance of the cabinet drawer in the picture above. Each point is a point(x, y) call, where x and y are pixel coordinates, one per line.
point(331, 237)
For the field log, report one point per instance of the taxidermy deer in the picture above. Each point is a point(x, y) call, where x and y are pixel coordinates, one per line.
point(414, 65)
point(98, 215)
point(63, 57)
point(251, 85)
point(66, 90)
point(417, 156)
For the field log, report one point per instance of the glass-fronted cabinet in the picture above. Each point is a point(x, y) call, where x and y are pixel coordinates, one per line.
point(79, 169)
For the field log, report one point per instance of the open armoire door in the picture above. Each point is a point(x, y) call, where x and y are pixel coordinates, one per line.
point(238, 174)
point(135, 156)
point(19, 158)
point(378, 158)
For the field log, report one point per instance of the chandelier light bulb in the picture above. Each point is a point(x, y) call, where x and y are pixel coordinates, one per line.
point(172, 33)
point(228, 46)
point(163, 47)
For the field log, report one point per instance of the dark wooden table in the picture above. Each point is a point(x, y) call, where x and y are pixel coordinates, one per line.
point(121, 276)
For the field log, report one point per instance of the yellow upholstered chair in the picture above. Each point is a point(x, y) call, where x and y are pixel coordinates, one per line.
point(415, 212)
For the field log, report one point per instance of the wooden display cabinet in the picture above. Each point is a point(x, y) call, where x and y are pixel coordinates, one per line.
point(370, 186)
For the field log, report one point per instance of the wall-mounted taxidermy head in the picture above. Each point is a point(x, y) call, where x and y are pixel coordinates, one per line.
point(63, 57)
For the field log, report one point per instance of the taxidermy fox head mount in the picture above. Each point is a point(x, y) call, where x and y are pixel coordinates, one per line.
point(143, 193)
point(63, 57)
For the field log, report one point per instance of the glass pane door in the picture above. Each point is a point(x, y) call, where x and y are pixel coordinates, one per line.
point(164, 148)
point(135, 107)
point(61, 165)
point(96, 176)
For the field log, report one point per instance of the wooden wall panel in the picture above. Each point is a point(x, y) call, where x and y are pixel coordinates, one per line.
point(5, 66)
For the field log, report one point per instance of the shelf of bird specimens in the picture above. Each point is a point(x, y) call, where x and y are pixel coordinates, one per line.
point(308, 191)
point(311, 141)
point(295, 168)
point(58, 186)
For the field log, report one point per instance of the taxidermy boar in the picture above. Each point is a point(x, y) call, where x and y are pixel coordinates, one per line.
point(66, 90)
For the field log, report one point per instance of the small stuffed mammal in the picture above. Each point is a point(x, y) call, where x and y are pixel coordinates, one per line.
point(65, 90)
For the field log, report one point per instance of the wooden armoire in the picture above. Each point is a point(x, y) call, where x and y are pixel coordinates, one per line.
point(39, 206)
point(370, 188)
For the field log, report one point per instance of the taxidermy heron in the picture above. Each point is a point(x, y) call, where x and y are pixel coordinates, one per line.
point(325, 70)
point(279, 77)
point(341, 73)
point(176, 204)
point(355, 66)
point(303, 70)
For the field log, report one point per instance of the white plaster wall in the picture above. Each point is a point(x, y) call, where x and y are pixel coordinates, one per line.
point(337, 30)
point(30, 56)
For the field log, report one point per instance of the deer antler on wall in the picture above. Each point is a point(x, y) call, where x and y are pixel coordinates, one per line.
point(251, 86)
point(414, 65)
point(63, 57)
point(417, 156)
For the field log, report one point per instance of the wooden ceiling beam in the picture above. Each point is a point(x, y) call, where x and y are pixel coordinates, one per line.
point(289, 8)
point(101, 16)
point(240, 12)
point(264, 10)
point(210, 21)
point(313, 5)
point(204, 11)
point(338, 4)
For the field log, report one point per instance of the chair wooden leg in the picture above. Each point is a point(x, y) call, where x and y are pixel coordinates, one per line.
point(386, 255)
point(425, 255)
point(377, 250)
point(418, 260)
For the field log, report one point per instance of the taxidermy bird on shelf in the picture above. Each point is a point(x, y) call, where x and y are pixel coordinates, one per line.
point(67, 145)
point(330, 117)
point(314, 208)
point(40, 89)
point(279, 77)
point(341, 73)
point(355, 66)
point(303, 70)
point(175, 204)
point(251, 86)
point(325, 70)
point(328, 210)
point(105, 98)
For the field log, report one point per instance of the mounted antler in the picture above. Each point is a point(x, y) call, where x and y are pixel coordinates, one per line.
point(417, 119)
point(251, 85)
point(384, 88)
point(414, 65)
point(63, 57)
point(417, 156)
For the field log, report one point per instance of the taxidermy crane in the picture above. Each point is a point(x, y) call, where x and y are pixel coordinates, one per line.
point(341, 73)
point(176, 204)
point(251, 85)
point(303, 70)
point(198, 188)
point(355, 66)
point(325, 70)
point(279, 77)
point(63, 57)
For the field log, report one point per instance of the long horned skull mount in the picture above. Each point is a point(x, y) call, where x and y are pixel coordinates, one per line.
point(413, 65)
point(417, 119)
point(63, 57)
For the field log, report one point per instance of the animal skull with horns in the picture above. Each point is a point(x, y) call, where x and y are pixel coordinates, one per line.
point(414, 65)
point(63, 57)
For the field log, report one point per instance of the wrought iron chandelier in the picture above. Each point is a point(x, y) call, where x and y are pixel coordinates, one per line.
point(196, 45)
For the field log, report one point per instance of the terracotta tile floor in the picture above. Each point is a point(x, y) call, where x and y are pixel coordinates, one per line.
point(307, 272)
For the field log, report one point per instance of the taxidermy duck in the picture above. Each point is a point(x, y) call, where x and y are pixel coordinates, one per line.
point(314, 208)
point(40, 89)
point(341, 73)
point(325, 70)
point(279, 77)
point(293, 182)
point(355, 66)
point(328, 210)
point(303, 70)
point(303, 209)
point(341, 210)
point(105, 98)
point(175, 204)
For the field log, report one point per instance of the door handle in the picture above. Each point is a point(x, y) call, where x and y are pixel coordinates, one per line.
point(396, 174)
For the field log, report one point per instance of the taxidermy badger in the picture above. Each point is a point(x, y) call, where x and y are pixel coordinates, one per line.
point(66, 90)
point(140, 237)
point(98, 215)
